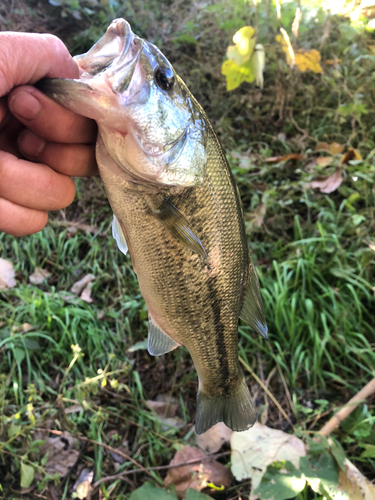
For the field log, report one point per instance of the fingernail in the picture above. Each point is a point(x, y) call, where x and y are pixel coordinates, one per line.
point(25, 106)
point(31, 145)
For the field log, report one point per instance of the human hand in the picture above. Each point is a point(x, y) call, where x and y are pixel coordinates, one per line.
point(56, 142)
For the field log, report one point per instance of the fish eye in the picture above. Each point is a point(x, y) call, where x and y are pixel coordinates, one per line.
point(164, 78)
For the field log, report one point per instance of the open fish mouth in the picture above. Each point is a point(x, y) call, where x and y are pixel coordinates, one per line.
point(116, 53)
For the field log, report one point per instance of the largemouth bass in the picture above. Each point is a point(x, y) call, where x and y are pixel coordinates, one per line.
point(176, 210)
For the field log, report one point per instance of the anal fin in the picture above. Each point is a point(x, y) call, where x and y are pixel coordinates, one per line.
point(252, 311)
point(158, 341)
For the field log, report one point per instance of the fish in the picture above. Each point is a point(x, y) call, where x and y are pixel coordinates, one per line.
point(177, 212)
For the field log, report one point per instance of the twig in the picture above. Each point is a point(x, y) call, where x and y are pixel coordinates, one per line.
point(160, 467)
point(103, 445)
point(265, 388)
point(336, 420)
point(289, 398)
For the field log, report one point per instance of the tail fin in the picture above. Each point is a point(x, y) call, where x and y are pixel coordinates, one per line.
point(236, 410)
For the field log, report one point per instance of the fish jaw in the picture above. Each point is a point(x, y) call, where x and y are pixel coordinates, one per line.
point(158, 136)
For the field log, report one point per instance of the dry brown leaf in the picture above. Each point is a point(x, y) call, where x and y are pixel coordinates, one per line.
point(62, 454)
point(82, 486)
point(166, 408)
point(351, 154)
point(163, 408)
point(254, 449)
point(333, 149)
point(212, 440)
point(7, 274)
point(38, 276)
point(82, 283)
point(324, 161)
point(256, 217)
point(86, 294)
point(355, 484)
point(198, 474)
point(73, 409)
point(326, 184)
point(278, 159)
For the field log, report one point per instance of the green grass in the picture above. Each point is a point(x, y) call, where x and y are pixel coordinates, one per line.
point(312, 251)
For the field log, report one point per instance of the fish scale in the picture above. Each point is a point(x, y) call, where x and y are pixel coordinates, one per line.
point(176, 209)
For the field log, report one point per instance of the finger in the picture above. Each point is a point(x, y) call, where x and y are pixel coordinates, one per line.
point(48, 119)
point(34, 185)
point(26, 58)
point(76, 160)
point(20, 221)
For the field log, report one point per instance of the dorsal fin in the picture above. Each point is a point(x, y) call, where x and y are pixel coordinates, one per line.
point(158, 341)
point(252, 309)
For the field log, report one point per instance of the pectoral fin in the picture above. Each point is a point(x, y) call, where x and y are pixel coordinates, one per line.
point(179, 227)
point(158, 341)
point(252, 309)
point(118, 235)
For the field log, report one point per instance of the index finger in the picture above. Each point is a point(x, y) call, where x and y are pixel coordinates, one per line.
point(51, 121)
point(26, 58)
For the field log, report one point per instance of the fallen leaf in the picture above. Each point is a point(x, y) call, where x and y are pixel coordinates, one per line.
point(196, 475)
point(351, 154)
point(62, 454)
point(82, 486)
point(86, 294)
point(324, 161)
point(326, 184)
point(308, 60)
point(278, 159)
point(354, 483)
point(7, 275)
point(77, 408)
point(212, 440)
point(333, 149)
point(256, 217)
point(82, 283)
point(166, 407)
point(256, 448)
point(38, 276)
point(244, 45)
point(303, 59)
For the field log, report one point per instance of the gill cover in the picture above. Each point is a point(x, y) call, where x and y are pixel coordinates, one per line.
point(150, 124)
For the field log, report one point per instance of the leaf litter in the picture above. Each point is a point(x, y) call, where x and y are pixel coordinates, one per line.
point(326, 184)
point(212, 440)
point(166, 407)
point(62, 453)
point(39, 275)
point(256, 448)
point(82, 288)
point(7, 275)
point(197, 475)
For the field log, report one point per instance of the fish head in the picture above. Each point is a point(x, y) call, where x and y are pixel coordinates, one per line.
point(151, 125)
